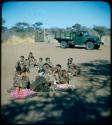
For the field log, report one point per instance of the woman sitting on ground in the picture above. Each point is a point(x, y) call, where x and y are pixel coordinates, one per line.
point(20, 79)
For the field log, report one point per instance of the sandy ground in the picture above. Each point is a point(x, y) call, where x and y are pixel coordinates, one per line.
point(11, 53)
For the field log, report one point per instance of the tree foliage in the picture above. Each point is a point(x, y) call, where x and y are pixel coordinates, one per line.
point(37, 25)
point(101, 30)
point(77, 27)
point(24, 29)
point(22, 25)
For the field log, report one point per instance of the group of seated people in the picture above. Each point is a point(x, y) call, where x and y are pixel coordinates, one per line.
point(47, 74)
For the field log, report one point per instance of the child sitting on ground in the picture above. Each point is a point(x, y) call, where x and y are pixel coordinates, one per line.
point(40, 63)
point(21, 86)
point(57, 73)
point(48, 73)
point(16, 78)
point(47, 60)
point(27, 65)
point(25, 82)
point(20, 62)
point(32, 60)
point(30, 55)
point(64, 77)
point(20, 80)
point(71, 67)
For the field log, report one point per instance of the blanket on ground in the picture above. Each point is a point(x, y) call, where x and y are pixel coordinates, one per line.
point(23, 93)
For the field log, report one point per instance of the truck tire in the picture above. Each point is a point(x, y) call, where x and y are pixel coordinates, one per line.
point(63, 44)
point(97, 47)
point(89, 45)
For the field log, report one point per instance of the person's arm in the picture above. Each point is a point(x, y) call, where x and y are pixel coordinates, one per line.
point(60, 76)
point(74, 66)
point(68, 78)
point(35, 61)
point(51, 64)
point(16, 64)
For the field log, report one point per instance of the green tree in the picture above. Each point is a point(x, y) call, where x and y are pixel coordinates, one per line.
point(76, 27)
point(20, 29)
point(101, 30)
point(37, 25)
point(22, 25)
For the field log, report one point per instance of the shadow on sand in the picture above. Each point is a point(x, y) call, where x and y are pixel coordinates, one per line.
point(90, 104)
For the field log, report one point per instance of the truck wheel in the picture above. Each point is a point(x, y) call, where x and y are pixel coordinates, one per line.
point(97, 47)
point(63, 44)
point(89, 45)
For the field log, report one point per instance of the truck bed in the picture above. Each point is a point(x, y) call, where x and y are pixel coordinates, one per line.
point(63, 36)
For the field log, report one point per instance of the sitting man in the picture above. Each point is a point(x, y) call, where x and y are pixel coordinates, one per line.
point(72, 69)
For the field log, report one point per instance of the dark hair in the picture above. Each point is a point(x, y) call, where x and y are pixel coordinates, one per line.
point(40, 58)
point(32, 57)
point(24, 69)
point(22, 56)
point(47, 64)
point(30, 53)
point(64, 70)
point(47, 58)
point(59, 65)
point(18, 69)
point(70, 59)
point(42, 70)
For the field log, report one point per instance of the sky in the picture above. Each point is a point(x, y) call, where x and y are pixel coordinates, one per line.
point(57, 14)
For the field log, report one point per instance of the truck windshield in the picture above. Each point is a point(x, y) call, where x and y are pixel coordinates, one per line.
point(85, 34)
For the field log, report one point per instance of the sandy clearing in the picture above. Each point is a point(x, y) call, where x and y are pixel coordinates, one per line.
point(10, 54)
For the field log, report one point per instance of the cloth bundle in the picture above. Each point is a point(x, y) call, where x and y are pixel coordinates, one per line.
point(23, 93)
point(62, 86)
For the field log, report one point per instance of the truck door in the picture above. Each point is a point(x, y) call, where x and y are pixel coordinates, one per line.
point(79, 38)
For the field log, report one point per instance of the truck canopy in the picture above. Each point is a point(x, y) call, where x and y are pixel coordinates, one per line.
point(63, 35)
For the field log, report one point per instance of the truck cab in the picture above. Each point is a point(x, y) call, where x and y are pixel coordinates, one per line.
point(80, 38)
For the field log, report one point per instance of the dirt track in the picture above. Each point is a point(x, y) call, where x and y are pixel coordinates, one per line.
point(10, 54)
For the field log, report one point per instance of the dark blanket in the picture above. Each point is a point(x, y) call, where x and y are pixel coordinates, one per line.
point(40, 85)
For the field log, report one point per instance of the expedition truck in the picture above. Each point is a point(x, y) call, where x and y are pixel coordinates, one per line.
point(79, 38)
